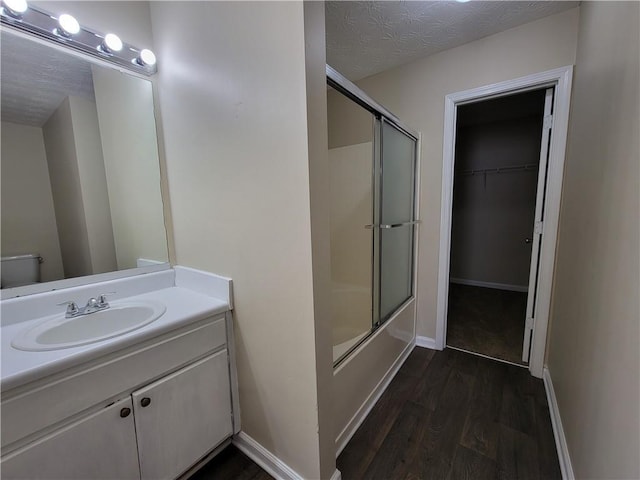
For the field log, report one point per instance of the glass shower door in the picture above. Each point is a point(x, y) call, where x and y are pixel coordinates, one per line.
point(372, 166)
point(397, 164)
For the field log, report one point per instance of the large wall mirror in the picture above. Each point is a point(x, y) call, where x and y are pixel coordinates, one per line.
point(79, 163)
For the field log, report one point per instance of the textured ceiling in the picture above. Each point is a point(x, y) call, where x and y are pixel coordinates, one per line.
point(365, 38)
point(35, 79)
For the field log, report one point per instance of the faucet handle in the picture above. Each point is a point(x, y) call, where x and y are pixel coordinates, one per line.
point(102, 299)
point(72, 307)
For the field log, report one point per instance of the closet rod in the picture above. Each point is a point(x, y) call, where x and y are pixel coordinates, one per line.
point(513, 168)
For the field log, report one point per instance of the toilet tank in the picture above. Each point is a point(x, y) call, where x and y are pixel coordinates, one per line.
point(20, 270)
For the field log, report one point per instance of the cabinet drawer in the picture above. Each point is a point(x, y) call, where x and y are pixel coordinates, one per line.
point(105, 378)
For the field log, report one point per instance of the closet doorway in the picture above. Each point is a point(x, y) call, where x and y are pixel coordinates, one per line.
point(501, 156)
point(557, 87)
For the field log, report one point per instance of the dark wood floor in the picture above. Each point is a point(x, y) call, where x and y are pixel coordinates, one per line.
point(453, 415)
point(231, 464)
point(487, 321)
point(446, 415)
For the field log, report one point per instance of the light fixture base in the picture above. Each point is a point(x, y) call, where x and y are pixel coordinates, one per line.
point(43, 24)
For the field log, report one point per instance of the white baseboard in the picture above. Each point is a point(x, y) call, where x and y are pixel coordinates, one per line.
point(267, 460)
point(426, 342)
point(558, 432)
point(498, 286)
point(371, 400)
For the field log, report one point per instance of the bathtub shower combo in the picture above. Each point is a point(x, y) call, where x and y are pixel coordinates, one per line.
point(372, 159)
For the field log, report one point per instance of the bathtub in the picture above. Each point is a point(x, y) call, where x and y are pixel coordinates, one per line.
point(350, 315)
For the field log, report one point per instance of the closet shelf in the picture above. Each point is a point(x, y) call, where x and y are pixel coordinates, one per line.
point(507, 169)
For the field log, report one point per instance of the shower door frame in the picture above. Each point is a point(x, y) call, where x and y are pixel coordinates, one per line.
point(382, 114)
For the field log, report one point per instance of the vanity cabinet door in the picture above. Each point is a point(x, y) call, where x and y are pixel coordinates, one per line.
point(100, 446)
point(183, 416)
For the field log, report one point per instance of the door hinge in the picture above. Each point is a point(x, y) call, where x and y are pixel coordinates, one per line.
point(528, 324)
point(548, 121)
point(537, 228)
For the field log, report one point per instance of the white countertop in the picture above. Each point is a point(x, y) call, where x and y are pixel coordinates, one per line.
point(183, 306)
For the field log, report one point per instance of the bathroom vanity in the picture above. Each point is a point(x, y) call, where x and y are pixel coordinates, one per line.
point(114, 365)
point(152, 402)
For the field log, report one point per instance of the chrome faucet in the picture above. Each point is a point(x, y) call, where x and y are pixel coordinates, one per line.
point(93, 305)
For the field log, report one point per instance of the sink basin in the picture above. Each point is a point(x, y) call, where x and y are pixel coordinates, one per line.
point(58, 332)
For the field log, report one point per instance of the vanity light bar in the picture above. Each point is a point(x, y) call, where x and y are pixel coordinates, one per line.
point(65, 30)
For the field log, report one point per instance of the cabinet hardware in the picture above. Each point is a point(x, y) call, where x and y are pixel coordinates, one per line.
point(145, 401)
point(125, 412)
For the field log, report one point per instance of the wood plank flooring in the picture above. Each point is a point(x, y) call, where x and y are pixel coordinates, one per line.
point(487, 321)
point(453, 415)
point(231, 464)
point(446, 415)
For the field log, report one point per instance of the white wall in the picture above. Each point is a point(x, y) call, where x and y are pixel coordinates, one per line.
point(67, 192)
point(319, 180)
point(348, 123)
point(78, 183)
point(594, 359)
point(28, 216)
point(233, 97)
point(415, 93)
point(493, 215)
point(130, 150)
point(93, 185)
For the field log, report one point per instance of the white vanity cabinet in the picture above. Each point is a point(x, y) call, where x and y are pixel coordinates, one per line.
point(153, 429)
point(101, 445)
point(180, 417)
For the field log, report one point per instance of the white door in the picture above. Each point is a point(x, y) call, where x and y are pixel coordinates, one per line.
point(183, 416)
point(100, 446)
point(538, 227)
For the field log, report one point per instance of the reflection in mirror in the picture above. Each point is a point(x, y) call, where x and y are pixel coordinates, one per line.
point(80, 178)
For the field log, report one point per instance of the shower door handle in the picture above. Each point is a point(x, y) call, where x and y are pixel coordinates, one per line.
point(393, 225)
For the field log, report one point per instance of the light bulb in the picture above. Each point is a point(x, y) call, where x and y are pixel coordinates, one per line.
point(111, 43)
point(15, 8)
point(147, 57)
point(68, 25)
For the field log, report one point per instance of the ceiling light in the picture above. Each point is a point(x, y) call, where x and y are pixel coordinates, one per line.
point(146, 58)
point(15, 8)
point(462, 1)
point(111, 43)
point(67, 25)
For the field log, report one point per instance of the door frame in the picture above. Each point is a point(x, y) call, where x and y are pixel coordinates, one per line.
point(559, 78)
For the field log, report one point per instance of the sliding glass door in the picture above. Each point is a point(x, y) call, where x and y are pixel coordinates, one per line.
point(396, 199)
point(372, 164)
